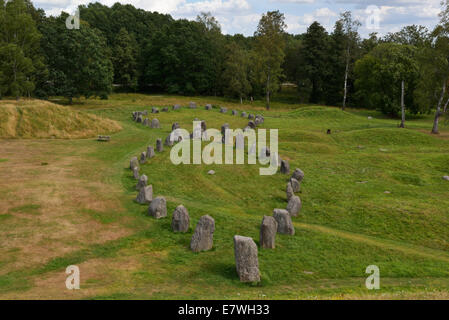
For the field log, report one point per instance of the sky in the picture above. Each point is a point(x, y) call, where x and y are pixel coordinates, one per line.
point(242, 16)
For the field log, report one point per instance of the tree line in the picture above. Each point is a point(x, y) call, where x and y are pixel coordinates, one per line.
point(139, 51)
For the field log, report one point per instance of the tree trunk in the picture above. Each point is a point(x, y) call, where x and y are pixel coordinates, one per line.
point(241, 100)
point(438, 111)
point(268, 91)
point(345, 93)
point(402, 105)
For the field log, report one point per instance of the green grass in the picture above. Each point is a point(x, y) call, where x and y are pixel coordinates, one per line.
point(347, 221)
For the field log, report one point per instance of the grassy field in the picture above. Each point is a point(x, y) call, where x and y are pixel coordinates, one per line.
point(373, 194)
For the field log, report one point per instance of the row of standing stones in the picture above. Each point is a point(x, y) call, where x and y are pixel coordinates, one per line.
point(245, 249)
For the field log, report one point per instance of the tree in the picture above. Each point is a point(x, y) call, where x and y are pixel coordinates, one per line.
point(381, 75)
point(270, 48)
point(124, 60)
point(314, 58)
point(78, 60)
point(413, 35)
point(20, 59)
point(350, 27)
point(236, 74)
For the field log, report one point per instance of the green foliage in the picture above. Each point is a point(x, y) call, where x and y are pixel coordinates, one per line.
point(20, 59)
point(379, 77)
point(124, 59)
point(79, 60)
point(236, 74)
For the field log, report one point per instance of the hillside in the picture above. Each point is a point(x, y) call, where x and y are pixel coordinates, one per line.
point(42, 119)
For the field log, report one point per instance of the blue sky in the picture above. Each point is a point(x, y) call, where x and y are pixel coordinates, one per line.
point(242, 16)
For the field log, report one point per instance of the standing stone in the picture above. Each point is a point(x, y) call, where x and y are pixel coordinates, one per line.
point(240, 142)
point(260, 118)
point(150, 152)
point(203, 238)
point(136, 173)
point(154, 110)
point(145, 195)
point(139, 119)
point(251, 124)
point(158, 208)
point(244, 115)
point(250, 116)
point(446, 178)
point(192, 105)
point(298, 175)
point(224, 127)
point(175, 126)
point(155, 124)
point(180, 221)
point(168, 142)
point(159, 147)
point(268, 231)
point(296, 186)
point(285, 167)
point(284, 220)
point(289, 191)
point(203, 126)
point(143, 157)
point(234, 112)
point(223, 110)
point(133, 163)
point(165, 109)
point(143, 181)
point(246, 260)
point(146, 122)
point(294, 206)
point(176, 107)
point(257, 121)
point(208, 107)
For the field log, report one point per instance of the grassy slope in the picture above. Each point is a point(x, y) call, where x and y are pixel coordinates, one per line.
point(41, 119)
point(344, 226)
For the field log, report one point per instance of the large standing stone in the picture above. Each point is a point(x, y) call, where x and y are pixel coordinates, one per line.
point(143, 181)
point(289, 191)
point(133, 163)
point(150, 152)
point(268, 231)
point(208, 107)
point(298, 175)
point(285, 167)
point(159, 147)
point(180, 221)
point(155, 124)
point(145, 195)
point(246, 260)
point(284, 220)
point(136, 173)
point(294, 206)
point(192, 105)
point(158, 208)
point(143, 157)
point(296, 186)
point(203, 238)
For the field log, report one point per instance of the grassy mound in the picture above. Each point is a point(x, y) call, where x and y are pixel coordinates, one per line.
point(42, 119)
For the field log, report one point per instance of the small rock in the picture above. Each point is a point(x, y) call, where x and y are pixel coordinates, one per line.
point(203, 238)
point(158, 208)
point(285, 167)
point(298, 175)
point(268, 231)
point(159, 147)
point(180, 220)
point(387, 192)
point(145, 195)
point(211, 172)
point(383, 150)
point(284, 220)
point(143, 181)
point(446, 178)
point(246, 260)
point(294, 206)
